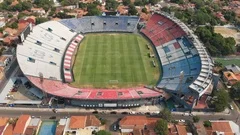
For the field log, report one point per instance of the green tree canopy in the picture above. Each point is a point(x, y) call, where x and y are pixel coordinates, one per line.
point(92, 9)
point(207, 124)
point(14, 25)
point(132, 10)
point(144, 10)
point(221, 102)
point(45, 4)
point(111, 5)
point(166, 114)
point(126, 2)
point(216, 44)
point(153, 2)
point(196, 118)
point(235, 91)
point(103, 132)
point(161, 127)
point(41, 20)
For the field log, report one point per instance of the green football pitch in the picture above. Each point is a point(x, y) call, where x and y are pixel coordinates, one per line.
point(114, 61)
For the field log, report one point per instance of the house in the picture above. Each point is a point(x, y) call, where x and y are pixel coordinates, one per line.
point(233, 68)
point(21, 125)
point(28, 19)
point(4, 61)
point(33, 126)
point(60, 126)
point(9, 31)
point(8, 130)
point(82, 125)
point(3, 124)
point(231, 74)
point(223, 127)
point(130, 124)
point(40, 11)
point(178, 129)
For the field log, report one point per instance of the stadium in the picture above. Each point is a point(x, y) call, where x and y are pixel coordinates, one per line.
point(107, 62)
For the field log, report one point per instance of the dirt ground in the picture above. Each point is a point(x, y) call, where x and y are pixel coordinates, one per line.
point(228, 32)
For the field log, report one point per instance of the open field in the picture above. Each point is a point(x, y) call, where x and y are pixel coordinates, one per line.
point(114, 61)
point(228, 32)
point(226, 61)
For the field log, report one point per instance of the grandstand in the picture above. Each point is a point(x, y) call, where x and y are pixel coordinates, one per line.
point(46, 58)
point(180, 52)
point(102, 24)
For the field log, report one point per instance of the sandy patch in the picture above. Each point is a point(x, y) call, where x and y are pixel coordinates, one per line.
point(228, 32)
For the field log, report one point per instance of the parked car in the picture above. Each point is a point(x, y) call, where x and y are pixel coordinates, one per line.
point(113, 112)
point(125, 113)
point(95, 112)
point(115, 127)
point(230, 106)
point(181, 120)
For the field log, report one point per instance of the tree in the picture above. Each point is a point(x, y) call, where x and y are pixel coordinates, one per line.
point(144, 10)
point(45, 4)
point(230, 16)
point(153, 2)
point(14, 25)
point(218, 64)
point(93, 10)
point(132, 10)
point(196, 119)
point(235, 91)
point(68, 2)
point(26, 5)
point(41, 20)
point(111, 5)
point(166, 114)
point(126, 2)
point(10, 15)
point(161, 127)
point(221, 102)
point(207, 124)
point(103, 132)
point(177, 1)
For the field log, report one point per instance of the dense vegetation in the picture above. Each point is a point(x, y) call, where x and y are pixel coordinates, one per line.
point(216, 44)
point(235, 91)
point(221, 101)
point(161, 127)
point(21, 6)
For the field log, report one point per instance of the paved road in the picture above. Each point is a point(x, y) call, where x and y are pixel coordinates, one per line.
point(46, 113)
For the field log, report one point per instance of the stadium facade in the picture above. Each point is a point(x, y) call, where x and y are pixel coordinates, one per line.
point(45, 56)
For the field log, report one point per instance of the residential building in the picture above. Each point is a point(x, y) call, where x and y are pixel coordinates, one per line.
point(3, 124)
point(231, 74)
point(29, 19)
point(33, 126)
point(21, 125)
point(40, 11)
point(9, 31)
point(82, 125)
point(8, 130)
point(60, 126)
point(223, 127)
point(178, 129)
point(131, 124)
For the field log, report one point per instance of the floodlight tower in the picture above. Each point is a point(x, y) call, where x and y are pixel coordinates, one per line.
point(181, 77)
point(41, 82)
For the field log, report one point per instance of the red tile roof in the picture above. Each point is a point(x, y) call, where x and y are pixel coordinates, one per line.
point(3, 121)
point(77, 122)
point(21, 124)
point(9, 130)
